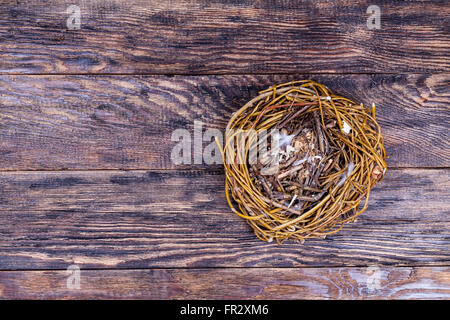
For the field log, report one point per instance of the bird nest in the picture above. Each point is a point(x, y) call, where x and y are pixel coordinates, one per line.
point(299, 160)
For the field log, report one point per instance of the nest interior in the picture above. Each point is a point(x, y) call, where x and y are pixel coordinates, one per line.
point(321, 155)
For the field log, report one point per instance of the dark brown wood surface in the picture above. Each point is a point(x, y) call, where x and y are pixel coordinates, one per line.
point(232, 283)
point(126, 122)
point(105, 219)
point(210, 37)
point(86, 118)
point(168, 219)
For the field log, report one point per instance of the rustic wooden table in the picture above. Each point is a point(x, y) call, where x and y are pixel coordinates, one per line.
point(91, 92)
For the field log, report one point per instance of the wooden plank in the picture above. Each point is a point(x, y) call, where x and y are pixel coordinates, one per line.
point(230, 283)
point(126, 122)
point(180, 219)
point(191, 37)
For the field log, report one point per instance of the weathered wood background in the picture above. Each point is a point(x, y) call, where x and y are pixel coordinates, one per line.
point(86, 118)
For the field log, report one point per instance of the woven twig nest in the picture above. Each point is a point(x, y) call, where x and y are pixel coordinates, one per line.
point(299, 160)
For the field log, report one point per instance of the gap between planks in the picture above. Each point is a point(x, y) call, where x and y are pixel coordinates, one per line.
point(217, 170)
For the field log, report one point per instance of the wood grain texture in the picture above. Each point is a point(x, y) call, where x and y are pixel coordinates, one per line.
point(210, 37)
point(95, 100)
point(126, 122)
point(180, 219)
point(229, 283)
